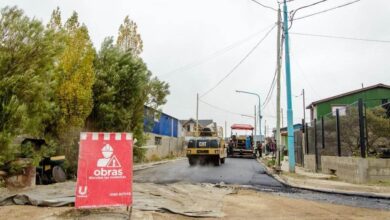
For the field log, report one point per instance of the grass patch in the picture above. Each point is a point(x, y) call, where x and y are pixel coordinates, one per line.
point(380, 183)
point(271, 163)
point(156, 158)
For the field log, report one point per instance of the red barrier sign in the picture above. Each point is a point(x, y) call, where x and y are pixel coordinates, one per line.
point(105, 170)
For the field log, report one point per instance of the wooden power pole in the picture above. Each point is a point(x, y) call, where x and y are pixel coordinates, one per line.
point(197, 112)
point(279, 66)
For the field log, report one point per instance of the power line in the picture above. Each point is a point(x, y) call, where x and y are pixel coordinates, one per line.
point(219, 108)
point(326, 10)
point(213, 55)
point(273, 83)
point(270, 91)
point(303, 7)
point(341, 37)
point(230, 112)
point(305, 78)
point(239, 63)
point(264, 6)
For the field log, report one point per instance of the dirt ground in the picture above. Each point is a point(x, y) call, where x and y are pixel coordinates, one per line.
point(241, 204)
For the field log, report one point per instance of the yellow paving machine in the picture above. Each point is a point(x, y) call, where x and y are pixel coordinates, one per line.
point(207, 147)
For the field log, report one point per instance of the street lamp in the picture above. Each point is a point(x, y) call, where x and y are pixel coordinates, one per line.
point(258, 96)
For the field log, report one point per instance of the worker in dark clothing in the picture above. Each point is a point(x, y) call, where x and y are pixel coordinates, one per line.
point(259, 148)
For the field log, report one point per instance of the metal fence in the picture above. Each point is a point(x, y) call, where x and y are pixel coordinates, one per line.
point(353, 130)
point(298, 147)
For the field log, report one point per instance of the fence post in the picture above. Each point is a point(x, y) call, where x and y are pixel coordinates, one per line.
point(322, 132)
point(306, 138)
point(366, 129)
point(303, 147)
point(315, 144)
point(361, 129)
point(338, 133)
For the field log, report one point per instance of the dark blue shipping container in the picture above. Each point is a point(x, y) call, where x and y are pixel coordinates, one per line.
point(162, 125)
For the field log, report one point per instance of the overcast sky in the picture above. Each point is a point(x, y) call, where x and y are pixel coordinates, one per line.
point(212, 36)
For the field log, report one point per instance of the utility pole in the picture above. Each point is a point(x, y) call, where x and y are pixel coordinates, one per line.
point(304, 106)
point(225, 129)
point(279, 65)
point(255, 121)
point(265, 128)
point(197, 112)
point(303, 125)
point(290, 129)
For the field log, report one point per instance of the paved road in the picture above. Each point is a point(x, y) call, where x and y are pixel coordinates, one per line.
point(239, 171)
point(249, 172)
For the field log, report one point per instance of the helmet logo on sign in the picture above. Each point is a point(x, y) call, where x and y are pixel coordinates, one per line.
point(109, 159)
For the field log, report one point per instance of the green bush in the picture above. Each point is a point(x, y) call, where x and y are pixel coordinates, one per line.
point(271, 163)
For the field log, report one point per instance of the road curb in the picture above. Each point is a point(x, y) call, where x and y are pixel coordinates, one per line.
point(322, 190)
point(144, 166)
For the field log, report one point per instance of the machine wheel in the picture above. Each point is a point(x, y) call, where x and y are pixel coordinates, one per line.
point(58, 174)
point(222, 160)
point(38, 179)
point(191, 161)
point(217, 161)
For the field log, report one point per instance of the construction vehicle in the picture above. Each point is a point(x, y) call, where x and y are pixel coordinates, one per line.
point(50, 169)
point(207, 147)
point(241, 145)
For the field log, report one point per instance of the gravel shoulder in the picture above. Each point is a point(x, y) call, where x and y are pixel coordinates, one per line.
point(239, 204)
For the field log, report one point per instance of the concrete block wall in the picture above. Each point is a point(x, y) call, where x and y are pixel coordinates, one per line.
point(350, 169)
point(355, 169)
point(310, 162)
point(168, 146)
point(378, 169)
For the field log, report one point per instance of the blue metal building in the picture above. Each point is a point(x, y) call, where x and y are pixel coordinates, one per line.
point(160, 123)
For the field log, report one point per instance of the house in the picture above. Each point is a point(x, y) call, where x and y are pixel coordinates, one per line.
point(163, 133)
point(284, 134)
point(159, 123)
point(189, 126)
point(372, 96)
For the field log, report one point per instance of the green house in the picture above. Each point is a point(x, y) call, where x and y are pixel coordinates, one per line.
point(372, 96)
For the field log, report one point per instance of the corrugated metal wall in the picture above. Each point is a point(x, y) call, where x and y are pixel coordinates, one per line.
point(166, 125)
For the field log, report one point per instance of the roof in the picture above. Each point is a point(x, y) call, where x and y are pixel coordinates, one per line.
point(242, 127)
point(297, 126)
point(205, 138)
point(202, 122)
point(162, 113)
point(380, 85)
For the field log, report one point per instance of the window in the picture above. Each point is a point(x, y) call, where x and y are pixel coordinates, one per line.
point(191, 144)
point(214, 143)
point(188, 128)
point(342, 110)
point(156, 116)
point(157, 140)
